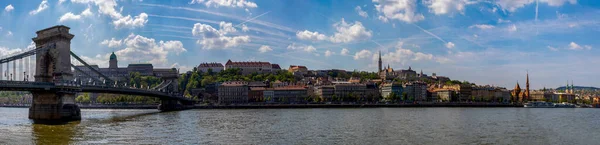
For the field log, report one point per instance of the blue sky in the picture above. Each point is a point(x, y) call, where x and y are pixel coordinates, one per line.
point(482, 41)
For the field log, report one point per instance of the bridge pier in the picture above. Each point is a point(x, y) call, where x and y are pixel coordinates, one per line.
point(169, 105)
point(174, 105)
point(50, 107)
point(53, 65)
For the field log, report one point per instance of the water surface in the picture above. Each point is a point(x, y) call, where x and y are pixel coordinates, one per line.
point(312, 126)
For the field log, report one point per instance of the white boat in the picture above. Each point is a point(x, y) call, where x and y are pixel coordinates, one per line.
point(539, 105)
point(564, 105)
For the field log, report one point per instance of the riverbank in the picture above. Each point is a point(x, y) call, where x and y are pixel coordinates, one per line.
point(97, 106)
point(284, 106)
point(291, 106)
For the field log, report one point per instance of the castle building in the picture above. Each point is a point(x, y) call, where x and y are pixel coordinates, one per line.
point(214, 67)
point(121, 74)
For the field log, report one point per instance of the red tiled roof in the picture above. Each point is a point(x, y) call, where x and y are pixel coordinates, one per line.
point(212, 64)
point(234, 83)
point(297, 66)
point(229, 62)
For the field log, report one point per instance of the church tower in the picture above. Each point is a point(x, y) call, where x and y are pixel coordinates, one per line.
point(379, 61)
point(572, 87)
point(113, 61)
point(516, 92)
point(527, 88)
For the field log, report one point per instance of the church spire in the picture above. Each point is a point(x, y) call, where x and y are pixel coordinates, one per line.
point(379, 60)
point(527, 86)
point(572, 87)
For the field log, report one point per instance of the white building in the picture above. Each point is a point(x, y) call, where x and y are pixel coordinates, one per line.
point(214, 66)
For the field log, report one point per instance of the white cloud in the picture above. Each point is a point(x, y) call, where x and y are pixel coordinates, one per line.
point(9, 33)
point(107, 7)
point(512, 28)
point(181, 68)
point(245, 28)
point(482, 26)
point(575, 46)
point(383, 19)
point(70, 16)
point(295, 46)
point(552, 48)
point(513, 5)
point(9, 8)
point(225, 28)
point(440, 7)
point(345, 52)
point(226, 3)
point(43, 6)
point(61, 1)
point(361, 12)
point(362, 54)
point(558, 2)
point(503, 21)
point(264, 49)
point(450, 45)
point(212, 38)
point(403, 10)
point(143, 49)
point(313, 36)
point(349, 32)
point(310, 48)
point(329, 53)
point(404, 56)
point(6, 51)
point(128, 22)
point(112, 43)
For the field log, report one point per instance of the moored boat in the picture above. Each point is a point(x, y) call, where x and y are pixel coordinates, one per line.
point(538, 104)
point(564, 105)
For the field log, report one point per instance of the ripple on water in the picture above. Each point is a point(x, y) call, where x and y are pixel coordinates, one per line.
point(312, 126)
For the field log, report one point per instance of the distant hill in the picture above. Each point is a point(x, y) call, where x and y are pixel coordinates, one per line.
point(579, 88)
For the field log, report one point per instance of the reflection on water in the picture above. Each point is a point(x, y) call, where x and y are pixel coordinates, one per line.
point(312, 126)
point(54, 134)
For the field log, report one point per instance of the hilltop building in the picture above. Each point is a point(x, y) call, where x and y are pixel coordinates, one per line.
point(298, 69)
point(249, 67)
point(122, 74)
point(213, 66)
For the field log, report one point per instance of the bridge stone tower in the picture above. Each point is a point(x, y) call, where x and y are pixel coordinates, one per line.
point(53, 65)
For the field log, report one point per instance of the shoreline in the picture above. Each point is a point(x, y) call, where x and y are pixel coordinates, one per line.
point(294, 106)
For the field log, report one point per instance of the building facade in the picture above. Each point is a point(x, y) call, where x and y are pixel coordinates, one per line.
point(235, 92)
point(288, 94)
point(298, 69)
point(349, 90)
point(388, 89)
point(251, 67)
point(444, 95)
point(326, 92)
point(213, 66)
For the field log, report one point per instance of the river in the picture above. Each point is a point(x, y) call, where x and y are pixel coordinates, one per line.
point(312, 126)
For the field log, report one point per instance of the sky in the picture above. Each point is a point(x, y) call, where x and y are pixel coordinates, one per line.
point(487, 42)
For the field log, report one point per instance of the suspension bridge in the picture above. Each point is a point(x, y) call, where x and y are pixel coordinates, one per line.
point(54, 87)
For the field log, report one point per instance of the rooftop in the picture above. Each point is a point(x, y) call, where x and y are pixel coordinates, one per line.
point(212, 64)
